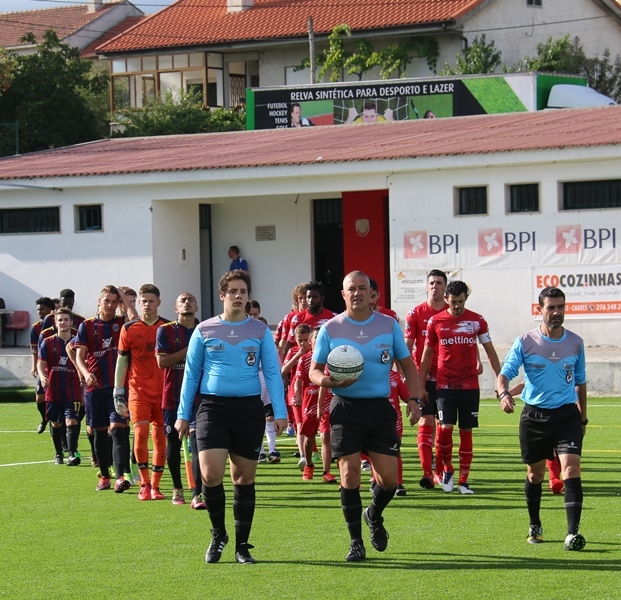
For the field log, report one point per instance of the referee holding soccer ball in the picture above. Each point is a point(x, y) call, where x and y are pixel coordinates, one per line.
point(361, 417)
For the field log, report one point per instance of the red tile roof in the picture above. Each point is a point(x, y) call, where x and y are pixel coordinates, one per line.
point(201, 22)
point(89, 51)
point(478, 135)
point(65, 20)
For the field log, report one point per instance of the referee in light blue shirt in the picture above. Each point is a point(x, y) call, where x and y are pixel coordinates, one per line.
point(554, 372)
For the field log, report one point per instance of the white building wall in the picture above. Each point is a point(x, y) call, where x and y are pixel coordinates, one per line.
point(517, 28)
point(34, 265)
point(502, 289)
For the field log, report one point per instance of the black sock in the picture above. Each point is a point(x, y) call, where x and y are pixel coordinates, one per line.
point(57, 436)
point(573, 503)
point(119, 452)
point(215, 499)
point(73, 432)
point(533, 501)
point(381, 498)
point(173, 457)
point(244, 500)
point(102, 451)
point(196, 467)
point(41, 409)
point(63, 438)
point(91, 441)
point(352, 510)
point(128, 449)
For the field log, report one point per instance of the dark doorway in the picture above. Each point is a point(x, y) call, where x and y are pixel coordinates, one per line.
point(328, 248)
point(206, 307)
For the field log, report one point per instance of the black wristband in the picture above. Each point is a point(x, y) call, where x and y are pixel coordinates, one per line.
point(585, 422)
point(417, 400)
point(503, 395)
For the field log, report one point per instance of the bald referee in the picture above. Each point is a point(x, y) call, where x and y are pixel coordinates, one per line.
point(361, 416)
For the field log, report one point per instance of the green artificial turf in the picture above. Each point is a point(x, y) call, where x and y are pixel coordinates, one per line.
point(61, 539)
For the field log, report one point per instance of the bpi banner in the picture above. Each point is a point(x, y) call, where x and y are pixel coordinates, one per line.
point(509, 242)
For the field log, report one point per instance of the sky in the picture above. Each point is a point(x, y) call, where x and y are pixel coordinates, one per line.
point(147, 6)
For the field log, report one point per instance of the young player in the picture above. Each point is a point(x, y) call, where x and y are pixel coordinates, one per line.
point(171, 348)
point(415, 334)
point(96, 346)
point(456, 332)
point(138, 366)
point(61, 382)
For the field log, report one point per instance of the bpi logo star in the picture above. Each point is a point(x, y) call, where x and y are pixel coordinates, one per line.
point(491, 242)
point(415, 244)
point(568, 239)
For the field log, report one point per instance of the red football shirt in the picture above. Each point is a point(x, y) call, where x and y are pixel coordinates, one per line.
point(456, 339)
point(416, 329)
point(310, 319)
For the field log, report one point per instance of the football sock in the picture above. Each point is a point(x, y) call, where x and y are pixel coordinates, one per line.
point(173, 457)
point(352, 510)
point(57, 434)
point(381, 498)
point(158, 435)
point(128, 449)
point(399, 470)
point(41, 409)
point(215, 498)
point(446, 448)
point(465, 454)
point(91, 441)
point(270, 434)
point(156, 475)
point(118, 450)
point(141, 450)
point(533, 501)
point(439, 463)
point(102, 451)
point(63, 428)
point(73, 432)
point(573, 503)
point(554, 468)
point(425, 446)
point(196, 467)
point(244, 499)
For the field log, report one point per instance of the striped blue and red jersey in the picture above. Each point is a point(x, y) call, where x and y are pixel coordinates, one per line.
point(101, 340)
point(62, 375)
point(35, 332)
point(171, 338)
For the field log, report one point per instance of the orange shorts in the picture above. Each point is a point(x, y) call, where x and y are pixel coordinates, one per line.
point(142, 410)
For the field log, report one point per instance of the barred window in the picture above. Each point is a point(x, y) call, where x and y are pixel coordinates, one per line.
point(30, 220)
point(582, 195)
point(88, 217)
point(472, 201)
point(524, 198)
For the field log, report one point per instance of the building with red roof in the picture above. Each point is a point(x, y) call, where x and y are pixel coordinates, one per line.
point(221, 47)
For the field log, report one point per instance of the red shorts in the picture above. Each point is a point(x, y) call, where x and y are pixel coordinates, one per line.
point(311, 425)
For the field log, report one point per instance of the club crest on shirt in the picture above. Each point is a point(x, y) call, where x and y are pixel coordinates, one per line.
point(115, 327)
point(385, 357)
point(251, 359)
point(569, 376)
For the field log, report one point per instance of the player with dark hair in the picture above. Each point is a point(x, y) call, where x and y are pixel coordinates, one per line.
point(415, 334)
point(315, 314)
point(554, 370)
point(255, 309)
point(67, 300)
point(374, 302)
point(237, 261)
point(171, 348)
point(298, 305)
point(361, 417)
point(63, 393)
point(456, 331)
point(222, 362)
point(137, 364)
point(96, 347)
point(45, 306)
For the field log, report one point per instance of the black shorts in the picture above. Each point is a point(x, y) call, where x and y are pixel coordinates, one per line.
point(363, 425)
point(544, 430)
point(458, 403)
point(236, 424)
point(100, 411)
point(431, 408)
point(58, 412)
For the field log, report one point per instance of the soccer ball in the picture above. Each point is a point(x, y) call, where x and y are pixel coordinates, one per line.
point(345, 362)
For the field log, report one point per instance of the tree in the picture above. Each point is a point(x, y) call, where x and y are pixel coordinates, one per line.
point(479, 57)
point(178, 114)
point(50, 96)
point(336, 59)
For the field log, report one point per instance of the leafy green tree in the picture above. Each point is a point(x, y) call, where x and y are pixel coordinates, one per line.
point(480, 57)
point(395, 58)
point(178, 114)
point(50, 95)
